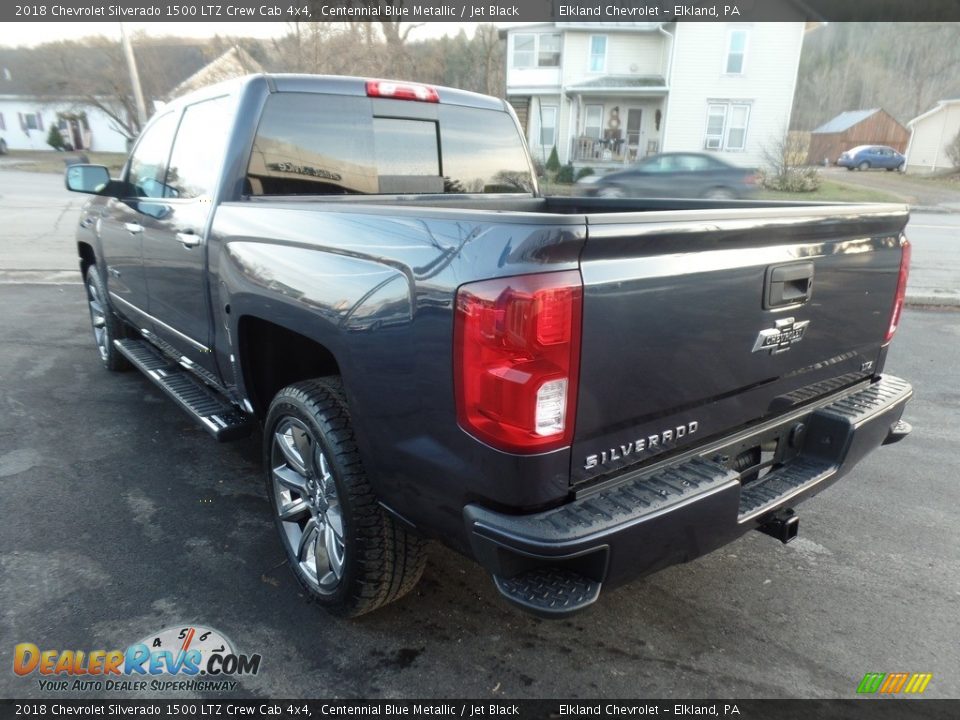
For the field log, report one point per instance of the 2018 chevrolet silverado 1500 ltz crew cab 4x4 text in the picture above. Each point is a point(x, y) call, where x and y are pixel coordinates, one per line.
point(573, 391)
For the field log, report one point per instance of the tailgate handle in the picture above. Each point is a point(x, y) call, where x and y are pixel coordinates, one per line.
point(788, 285)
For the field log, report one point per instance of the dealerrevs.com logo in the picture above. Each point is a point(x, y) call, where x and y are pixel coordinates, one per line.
point(173, 659)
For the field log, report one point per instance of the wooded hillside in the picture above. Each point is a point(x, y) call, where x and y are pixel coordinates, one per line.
point(905, 68)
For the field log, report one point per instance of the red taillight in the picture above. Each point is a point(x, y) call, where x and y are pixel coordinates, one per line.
point(901, 289)
point(517, 360)
point(401, 91)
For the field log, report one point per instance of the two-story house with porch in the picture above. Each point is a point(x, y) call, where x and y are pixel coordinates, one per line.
point(611, 93)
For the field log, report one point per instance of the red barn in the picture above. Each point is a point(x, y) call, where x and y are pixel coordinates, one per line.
point(852, 128)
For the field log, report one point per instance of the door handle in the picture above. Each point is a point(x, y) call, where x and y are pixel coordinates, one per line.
point(788, 285)
point(188, 238)
point(133, 228)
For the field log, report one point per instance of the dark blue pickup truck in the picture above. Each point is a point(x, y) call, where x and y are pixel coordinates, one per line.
point(572, 391)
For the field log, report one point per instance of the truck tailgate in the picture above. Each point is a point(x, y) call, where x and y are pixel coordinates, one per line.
point(696, 323)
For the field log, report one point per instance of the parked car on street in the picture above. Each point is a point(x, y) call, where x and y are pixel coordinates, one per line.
point(673, 175)
point(572, 391)
point(868, 157)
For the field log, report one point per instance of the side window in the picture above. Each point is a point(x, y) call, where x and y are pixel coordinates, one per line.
point(598, 53)
point(736, 52)
point(199, 148)
point(593, 122)
point(694, 163)
point(313, 145)
point(524, 50)
point(148, 164)
point(548, 125)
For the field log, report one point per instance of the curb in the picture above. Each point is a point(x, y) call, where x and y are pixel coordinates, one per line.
point(935, 209)
point(933, 299)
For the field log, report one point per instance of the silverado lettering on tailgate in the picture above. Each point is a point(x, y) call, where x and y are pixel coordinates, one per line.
point(651, 443)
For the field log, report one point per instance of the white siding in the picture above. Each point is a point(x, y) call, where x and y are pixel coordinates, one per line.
point(767, 84)
point(930, 136)
point(627, 54)
point(103, 136)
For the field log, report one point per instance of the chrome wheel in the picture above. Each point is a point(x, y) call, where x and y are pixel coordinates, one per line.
point(720, 193)
point(307, 505)
point(98, 319)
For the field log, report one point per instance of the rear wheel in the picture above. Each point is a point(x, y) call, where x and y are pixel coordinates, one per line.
point(863, 166)
point(107, 327)
point(720, 193)
point(611, 191)
point(349, 555)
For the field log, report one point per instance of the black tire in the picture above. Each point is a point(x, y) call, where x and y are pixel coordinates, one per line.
point(850, 168)
point(863, 166)
point(105, 323)
point(379, 559)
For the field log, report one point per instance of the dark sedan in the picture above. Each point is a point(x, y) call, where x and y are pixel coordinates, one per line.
point(673, 175)
point(867, 157)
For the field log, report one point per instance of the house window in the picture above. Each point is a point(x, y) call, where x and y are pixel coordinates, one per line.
point(524, 50)
point(736, 52)
point(726, 126)
point(598, 53)
point(548, 126)
point(737, 127)
point(31, 121)
point(3, 123)
point(536, 50)
point(548, 53)
point(593, 121)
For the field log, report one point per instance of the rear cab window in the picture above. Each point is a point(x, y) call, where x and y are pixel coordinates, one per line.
point(315, 144)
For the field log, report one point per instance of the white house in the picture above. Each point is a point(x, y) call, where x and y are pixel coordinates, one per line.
point(930, 134)
point(612, 93)
point(26, 116)
point(25, 122)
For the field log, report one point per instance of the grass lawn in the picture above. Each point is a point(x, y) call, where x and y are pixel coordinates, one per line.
point(831, 191)
point(52, 161)
point(949, 181)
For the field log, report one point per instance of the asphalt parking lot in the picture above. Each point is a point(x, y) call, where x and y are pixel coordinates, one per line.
point(120, 518)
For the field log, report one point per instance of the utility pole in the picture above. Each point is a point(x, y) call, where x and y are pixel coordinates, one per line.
point(134, 78)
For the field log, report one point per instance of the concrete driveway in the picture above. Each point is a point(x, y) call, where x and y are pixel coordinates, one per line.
point(924, 194)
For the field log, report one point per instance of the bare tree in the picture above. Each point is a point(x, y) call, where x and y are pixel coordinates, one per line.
point(98, 78)
point(784, 168)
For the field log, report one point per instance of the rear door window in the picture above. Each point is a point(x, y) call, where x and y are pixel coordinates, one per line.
point(313, 144)
point(199, 149)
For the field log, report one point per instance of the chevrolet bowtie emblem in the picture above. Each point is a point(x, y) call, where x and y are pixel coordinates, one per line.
point(782, 337)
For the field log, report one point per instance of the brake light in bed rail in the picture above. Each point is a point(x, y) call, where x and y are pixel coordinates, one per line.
point(402, 91)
